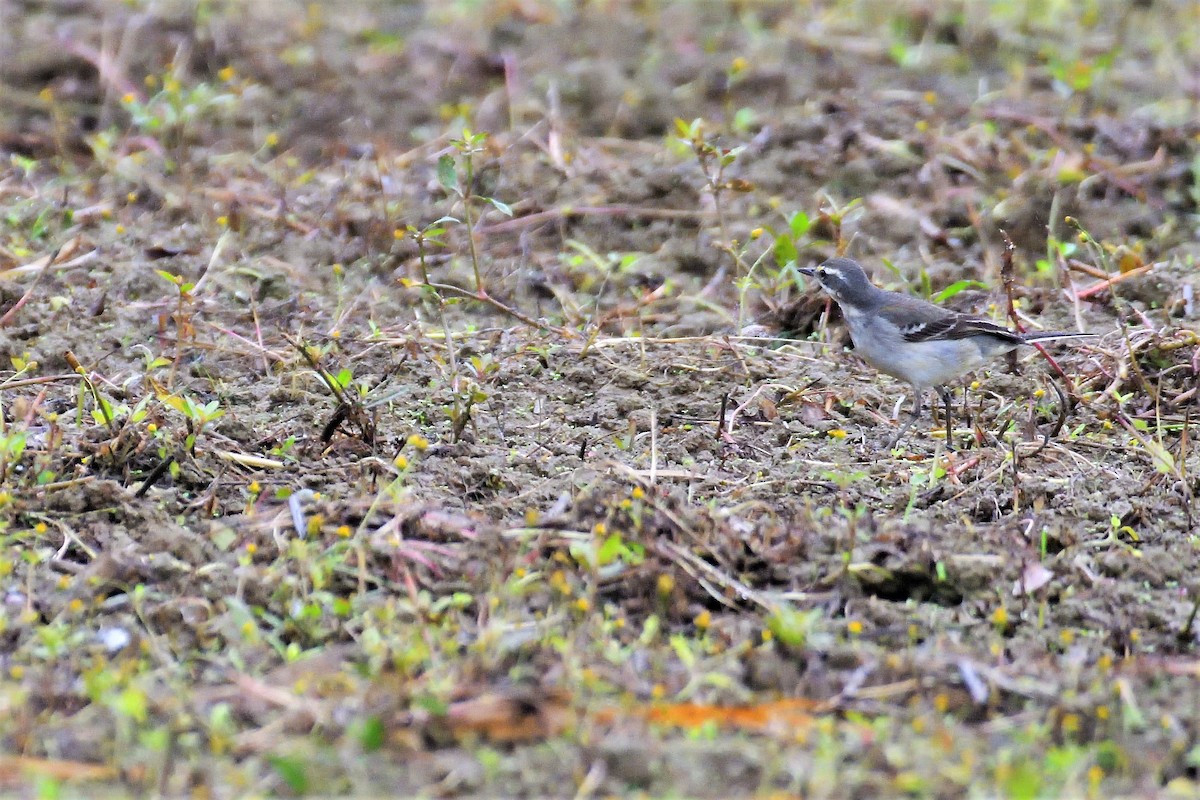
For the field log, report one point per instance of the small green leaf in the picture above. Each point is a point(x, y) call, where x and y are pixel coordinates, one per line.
point(1164, 462)
point(432, 704)
point(683, 651)
point(791, 627)
point(799, 223)
point(610, 550)
point(955, 288)
point(372, 735)
point(503, 208)
point(447, 174)
point(131, 703)
point(785, 251)
point(292, 772)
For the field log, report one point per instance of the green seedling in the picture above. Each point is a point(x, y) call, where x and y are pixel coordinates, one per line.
point(457, 176)
point(198, 415)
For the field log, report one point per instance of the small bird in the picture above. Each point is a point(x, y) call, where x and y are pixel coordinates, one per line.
point(913, 340)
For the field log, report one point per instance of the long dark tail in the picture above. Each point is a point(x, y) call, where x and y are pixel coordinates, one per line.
point(1046, 336)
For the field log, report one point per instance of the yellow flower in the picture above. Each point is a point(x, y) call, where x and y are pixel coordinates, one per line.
point(558, 582)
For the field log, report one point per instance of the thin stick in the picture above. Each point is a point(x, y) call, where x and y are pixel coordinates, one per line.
point(484, 297)
point(11, 314)
point(1108, 283)
point(567, 212)
point(653, 444)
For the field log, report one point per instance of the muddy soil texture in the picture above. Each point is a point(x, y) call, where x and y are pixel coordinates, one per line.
point(423, 399)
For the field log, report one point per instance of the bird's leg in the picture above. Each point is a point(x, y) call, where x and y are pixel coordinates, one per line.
point(945, 393)
point(916, 415)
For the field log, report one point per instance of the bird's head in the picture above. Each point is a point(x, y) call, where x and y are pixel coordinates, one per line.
point(843, 279)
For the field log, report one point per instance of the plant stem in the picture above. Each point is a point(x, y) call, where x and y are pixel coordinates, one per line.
point(467, 194)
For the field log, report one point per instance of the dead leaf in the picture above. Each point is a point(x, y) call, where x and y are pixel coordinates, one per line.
point(508, 717)
point(783, 716)
point(16, 770)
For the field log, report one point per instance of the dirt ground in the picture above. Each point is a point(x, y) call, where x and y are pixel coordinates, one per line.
point(422, 399)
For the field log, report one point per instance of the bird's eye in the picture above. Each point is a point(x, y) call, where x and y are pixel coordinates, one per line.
point(822, 271)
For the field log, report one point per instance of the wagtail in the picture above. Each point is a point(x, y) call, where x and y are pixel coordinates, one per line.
point(913, 340)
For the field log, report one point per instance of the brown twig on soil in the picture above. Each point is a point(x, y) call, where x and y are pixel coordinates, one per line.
point(39, 380)
point(1008, 281)
point(484, 297)
point(1075, 265)
point(11, 314)
point(1059, 423)
point(349, 408)
point(1109, 282)
point(634, 212)
point(708, 576)
point(154, 475)
point(1185, 486)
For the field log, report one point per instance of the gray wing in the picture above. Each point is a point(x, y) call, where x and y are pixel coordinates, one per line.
point(919, 321)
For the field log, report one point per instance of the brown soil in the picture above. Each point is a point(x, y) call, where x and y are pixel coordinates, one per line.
point(585, 534)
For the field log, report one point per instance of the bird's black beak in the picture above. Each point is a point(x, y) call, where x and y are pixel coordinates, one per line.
point(809, 271)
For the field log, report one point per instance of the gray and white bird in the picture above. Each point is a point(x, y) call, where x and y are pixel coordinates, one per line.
point(915, 341)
